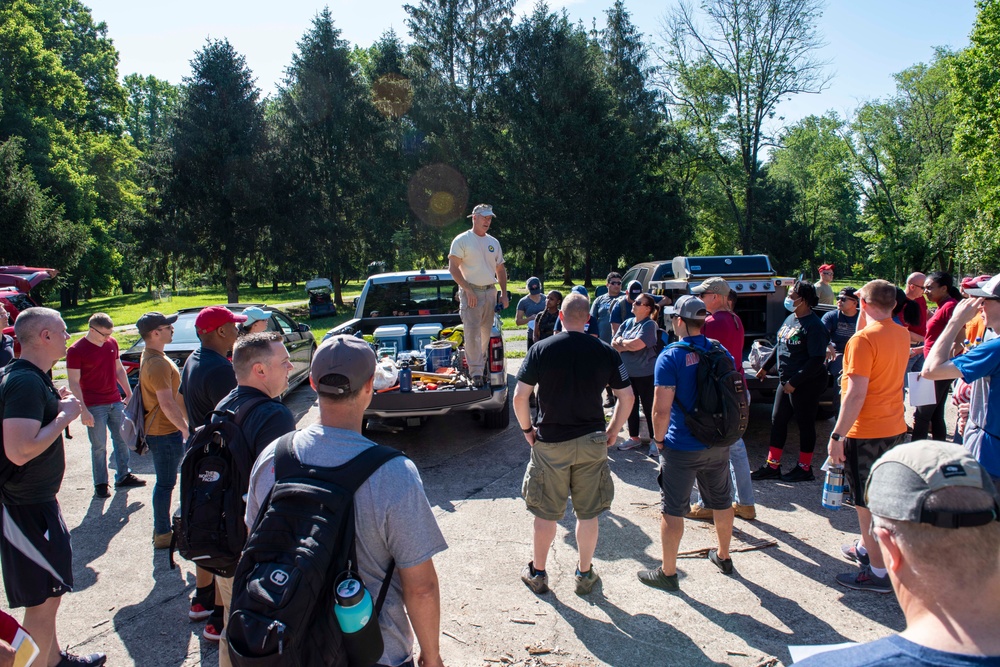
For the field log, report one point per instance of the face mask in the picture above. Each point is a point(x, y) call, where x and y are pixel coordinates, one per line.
point(789, 304)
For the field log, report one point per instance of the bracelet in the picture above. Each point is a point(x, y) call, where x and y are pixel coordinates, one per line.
point(528, 430)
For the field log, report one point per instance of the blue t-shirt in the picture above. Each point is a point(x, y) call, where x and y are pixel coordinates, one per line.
point(601, 311)
point(841, 328)
point(677, 367)
point(621, 310)
point(983, 361)
point(895, 651)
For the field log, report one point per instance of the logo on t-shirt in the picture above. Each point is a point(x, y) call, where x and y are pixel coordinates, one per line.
point(691, 359)
point(491, 248)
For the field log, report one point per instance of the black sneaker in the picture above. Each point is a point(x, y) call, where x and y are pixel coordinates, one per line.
point(101, 491)
point(766, 472)
point(70, 660)
point(128, 481)
point(724, 565)
point(799, 474)
point(656, 579)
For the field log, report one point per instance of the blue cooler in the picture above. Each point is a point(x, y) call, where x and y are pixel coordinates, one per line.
point(392, 335)
point(422, 335)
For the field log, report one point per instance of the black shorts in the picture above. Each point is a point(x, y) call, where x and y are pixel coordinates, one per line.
point(861, 454)
point(35, 553)
point(680, 468)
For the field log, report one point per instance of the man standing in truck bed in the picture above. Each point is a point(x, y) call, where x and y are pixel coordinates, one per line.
point(476, 263)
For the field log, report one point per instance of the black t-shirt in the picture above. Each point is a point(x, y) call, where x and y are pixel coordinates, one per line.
point(207, 378)
point(6, 349)
point(28, 393)
point(545, 324)
point(264, 424)
point(801, 349)
point(571, 371)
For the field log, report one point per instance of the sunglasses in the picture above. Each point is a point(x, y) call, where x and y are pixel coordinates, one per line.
point(617, 283)
point(846, 298)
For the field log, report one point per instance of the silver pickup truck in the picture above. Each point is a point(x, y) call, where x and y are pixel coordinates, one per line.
point(404, 301)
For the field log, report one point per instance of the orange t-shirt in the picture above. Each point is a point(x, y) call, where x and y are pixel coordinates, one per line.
point(880, 353)
point(975, 329)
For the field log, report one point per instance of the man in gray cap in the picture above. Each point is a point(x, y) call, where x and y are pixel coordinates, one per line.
point(683, 458)
point(529, 306)
point(394, 521)
point(935, 515)
point(475, 261)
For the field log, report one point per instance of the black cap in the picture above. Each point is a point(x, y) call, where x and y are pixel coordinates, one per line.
point(153, 321)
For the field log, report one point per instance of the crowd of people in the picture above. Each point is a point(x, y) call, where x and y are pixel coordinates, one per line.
point(929, 528)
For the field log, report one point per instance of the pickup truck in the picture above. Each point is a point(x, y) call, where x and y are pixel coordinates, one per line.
point(427, 297)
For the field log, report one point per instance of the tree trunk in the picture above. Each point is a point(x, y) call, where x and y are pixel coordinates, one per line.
point(540, 263)
point(588, 278)
point(64, 298)
point(232, 283)
point(568, 267)
point(338, 289)
point(274, 286)
point(748, 219)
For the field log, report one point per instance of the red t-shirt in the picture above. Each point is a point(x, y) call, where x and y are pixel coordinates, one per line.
point(937, 323)
point(726, 327)
point(97, 365)
point(921, 328)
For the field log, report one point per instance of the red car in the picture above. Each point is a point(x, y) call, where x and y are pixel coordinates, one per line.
point(16, 283)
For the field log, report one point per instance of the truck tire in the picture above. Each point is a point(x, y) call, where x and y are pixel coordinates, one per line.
point(498, 418)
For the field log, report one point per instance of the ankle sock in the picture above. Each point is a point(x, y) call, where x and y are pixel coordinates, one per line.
point(584, 574)
point(206, 596)
point(879, 572)
point(535, 571)
point(860, 549)
point(773, 457)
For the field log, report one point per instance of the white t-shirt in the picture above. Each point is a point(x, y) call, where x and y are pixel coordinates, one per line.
point(480, 257)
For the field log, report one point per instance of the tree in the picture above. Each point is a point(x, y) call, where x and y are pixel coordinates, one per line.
point(218, 184)
point(726, 82)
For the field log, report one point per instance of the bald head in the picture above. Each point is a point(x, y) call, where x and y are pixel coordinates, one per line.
point(575, 310)
point(32, 322)
point(915, 285)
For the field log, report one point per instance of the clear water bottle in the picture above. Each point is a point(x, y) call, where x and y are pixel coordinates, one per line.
point(833, 488)
point(356, 616)
point(405, 378)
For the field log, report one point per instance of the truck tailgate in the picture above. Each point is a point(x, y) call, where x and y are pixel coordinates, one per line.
point(419, 401)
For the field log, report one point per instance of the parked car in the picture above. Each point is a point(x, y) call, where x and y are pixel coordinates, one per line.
point(298, 340)
point(16, 285)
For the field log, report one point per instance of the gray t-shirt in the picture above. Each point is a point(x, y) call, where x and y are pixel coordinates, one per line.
point(392, 516)
point(641, 362)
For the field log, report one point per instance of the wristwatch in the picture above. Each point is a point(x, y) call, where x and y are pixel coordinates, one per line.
point(528, 430)
point(836, 437)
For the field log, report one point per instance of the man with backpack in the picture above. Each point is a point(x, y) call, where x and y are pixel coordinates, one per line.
point(261, 363)
point(394, 532)
point(208, 376)
point(683, 456)
point(35, 548)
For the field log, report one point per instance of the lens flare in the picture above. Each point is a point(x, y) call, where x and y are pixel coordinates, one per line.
point(438, 194)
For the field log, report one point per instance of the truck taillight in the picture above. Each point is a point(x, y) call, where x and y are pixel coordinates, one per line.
point(496, 354)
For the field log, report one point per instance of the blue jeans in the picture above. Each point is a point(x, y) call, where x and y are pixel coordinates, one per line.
point(739, 470)
point(108, 416)
point(167, 452)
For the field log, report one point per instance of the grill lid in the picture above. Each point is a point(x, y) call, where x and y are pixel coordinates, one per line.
point(727, 265)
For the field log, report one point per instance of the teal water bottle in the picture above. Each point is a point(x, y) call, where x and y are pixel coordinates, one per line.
point(356, 616)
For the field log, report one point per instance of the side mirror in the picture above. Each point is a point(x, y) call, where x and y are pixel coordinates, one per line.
point(304, 328)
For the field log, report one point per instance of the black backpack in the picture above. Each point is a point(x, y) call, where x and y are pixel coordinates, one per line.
point(215, 473)
point(721, 410)
point(283, 591)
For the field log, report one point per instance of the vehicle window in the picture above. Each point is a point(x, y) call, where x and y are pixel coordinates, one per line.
point(411, 298)
point(663, 272)
point(286, 324)
point(630, 275)
point(184, 331)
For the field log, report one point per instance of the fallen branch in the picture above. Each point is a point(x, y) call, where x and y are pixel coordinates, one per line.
point(703, 552)
point(522, 621)
point(448, 634)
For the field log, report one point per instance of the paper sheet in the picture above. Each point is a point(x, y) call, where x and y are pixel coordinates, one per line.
point(921, 390)
point(802, 652)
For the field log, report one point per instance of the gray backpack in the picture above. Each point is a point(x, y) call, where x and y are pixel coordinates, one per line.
point(133, 430)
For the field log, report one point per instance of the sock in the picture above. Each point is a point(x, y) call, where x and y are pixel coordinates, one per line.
point(773, 457)
point(206, 595)
point(535, 570)
point(860, 549)
point(879, 572)
point(584, 574)
point(805, 461)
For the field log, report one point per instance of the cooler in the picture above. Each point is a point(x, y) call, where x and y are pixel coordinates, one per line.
point(392, 335)
point(422, 335)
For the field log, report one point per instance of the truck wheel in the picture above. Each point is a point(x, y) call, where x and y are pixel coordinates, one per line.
point(498, 418)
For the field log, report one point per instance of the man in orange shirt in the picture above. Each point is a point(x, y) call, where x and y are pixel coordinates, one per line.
point(871, 419)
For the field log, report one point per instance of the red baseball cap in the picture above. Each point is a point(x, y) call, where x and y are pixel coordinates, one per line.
point(972, 282)
point(826, 267)
point(213, 317)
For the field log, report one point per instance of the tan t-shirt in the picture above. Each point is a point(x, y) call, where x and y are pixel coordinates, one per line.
point(156, 372)
point(879, 352)
point(480, 257)
point(825, 294)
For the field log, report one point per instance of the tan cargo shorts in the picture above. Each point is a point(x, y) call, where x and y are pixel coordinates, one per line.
point(575, 468)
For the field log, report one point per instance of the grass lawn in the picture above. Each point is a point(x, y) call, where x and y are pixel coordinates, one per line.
point(127, 308)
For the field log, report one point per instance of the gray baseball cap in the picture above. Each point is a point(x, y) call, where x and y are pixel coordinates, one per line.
point(712, 286)
point(153, 321)
point(689, 307)
point(484, 210)
point(904, 478)
point(342, 364)
point(989, 289)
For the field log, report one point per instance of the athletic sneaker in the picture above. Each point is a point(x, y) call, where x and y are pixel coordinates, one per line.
point(202, 607)
point(656, 579)
point(865, 581)
point(70, 660)
point(725, 565)
point(538, 583)
point(654, 452)
point(586, 583)
point(766, 472)
point(851, 552)
point(799, 474)
point(212, 632)
point(101, 491)
point(631, 443)
point(745, 512)
point(129, 480)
